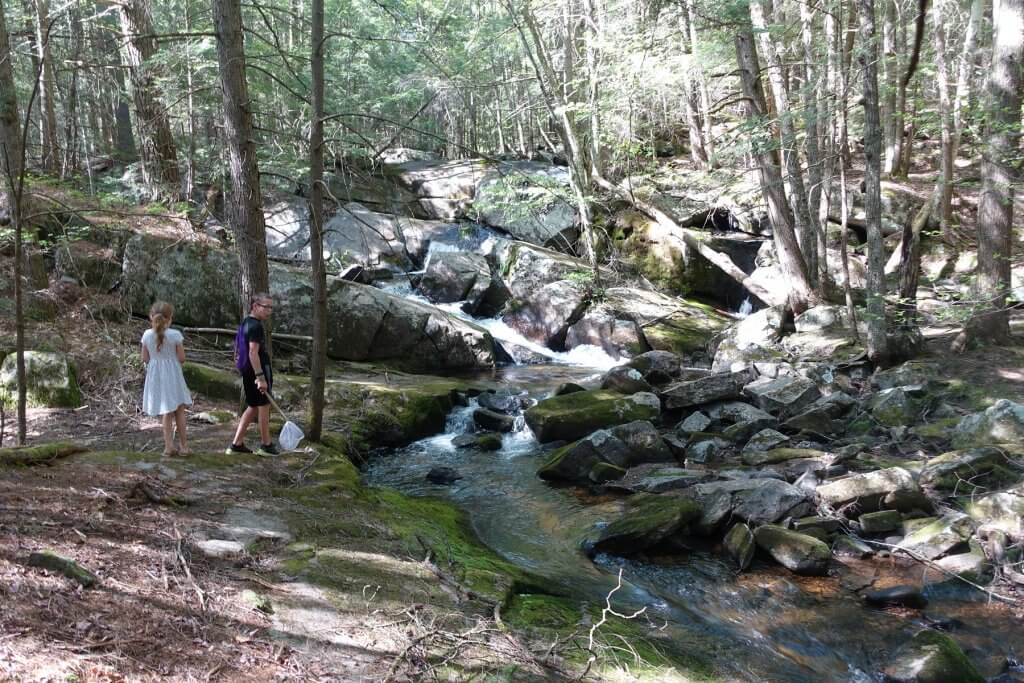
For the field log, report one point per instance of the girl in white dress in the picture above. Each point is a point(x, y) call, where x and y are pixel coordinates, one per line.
point(165, 393)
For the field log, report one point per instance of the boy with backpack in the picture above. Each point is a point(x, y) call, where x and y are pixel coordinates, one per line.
point(253, 363)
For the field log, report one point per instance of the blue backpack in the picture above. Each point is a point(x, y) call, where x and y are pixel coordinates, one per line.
point(241, 349)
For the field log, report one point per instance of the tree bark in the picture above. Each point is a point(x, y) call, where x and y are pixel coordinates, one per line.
point(708, 140)
point(999, 171)
point(945, 182)
point(318, 366)
point(245, 205)
point(875, 314)
point(159, 153)
point(47, 88)
point(803, 225)
point(963, 81)
point(12, 161)
point(815, 174)
point(793, 266)
point(891, 77)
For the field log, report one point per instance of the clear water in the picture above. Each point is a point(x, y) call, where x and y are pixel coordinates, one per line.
point(765, 625)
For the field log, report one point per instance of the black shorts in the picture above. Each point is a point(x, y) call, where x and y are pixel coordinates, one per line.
point(253, 396)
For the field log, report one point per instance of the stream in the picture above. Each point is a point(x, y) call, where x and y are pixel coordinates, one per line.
point(764, 625)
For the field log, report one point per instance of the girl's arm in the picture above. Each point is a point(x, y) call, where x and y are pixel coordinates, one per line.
point(145, 354)
point(180, 350)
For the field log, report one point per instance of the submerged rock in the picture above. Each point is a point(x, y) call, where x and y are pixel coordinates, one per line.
point(900, 596)
point(931, 657)
point(799, 553)
point(739, 545)
point(443, 476)
point(647, 522)
point(489, 419)
point(572, 416)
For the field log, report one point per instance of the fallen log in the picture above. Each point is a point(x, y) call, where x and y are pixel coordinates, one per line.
point(38, 455)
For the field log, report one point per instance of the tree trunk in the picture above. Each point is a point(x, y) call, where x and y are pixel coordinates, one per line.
point(945, 181)
point(47, 88)
point(12, 161)
point(705, 97)
point(999, 171)
point(793, 266)
point(814, 157)
point(244, 208)
point(963, 81)
point(894, 166)
point(875, 314)
point(890, 85)
point(71, 127)
point(318, 368)
point(805, 233)
point(159, 154)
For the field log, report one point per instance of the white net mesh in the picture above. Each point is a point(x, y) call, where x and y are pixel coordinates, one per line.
point(290, 436)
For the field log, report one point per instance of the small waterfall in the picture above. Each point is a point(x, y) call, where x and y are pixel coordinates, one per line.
point(745, 309)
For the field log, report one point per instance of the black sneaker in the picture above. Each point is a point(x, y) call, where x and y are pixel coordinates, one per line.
point(267, 449)
point(235, 448)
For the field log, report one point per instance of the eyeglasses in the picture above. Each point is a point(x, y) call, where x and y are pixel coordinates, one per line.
point(265, 305)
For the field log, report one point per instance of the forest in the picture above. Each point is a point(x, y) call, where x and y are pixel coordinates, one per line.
point(627, 340)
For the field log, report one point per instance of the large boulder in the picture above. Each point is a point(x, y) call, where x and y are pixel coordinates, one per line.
point(369, 324)
point(931, 657)
point(717, 387)
point(757, 501)
point(529, 200)
point(647, 522)
point(49, 381)
point(782, 396)
point(624, 380)
point(799, 553)
point(618, 337)
point(1001, 423)
point(443, 188)
point(548, 313)
point(681, 326)
point(867, 490)
point(643, 441)
point(657, 367)
point(459, 276)
point(364, 323)
point(895, 407)
point(1003, 511)
point(572, 416)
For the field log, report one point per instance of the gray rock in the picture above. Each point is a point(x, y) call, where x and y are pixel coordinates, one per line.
point(703, 449)
point(575, 461)
point(529, 200)
point(894, 407)
point(868, 489)
point(846, 546)
point(779, 455)
point(826, 318)
point(765, 440)
point(1001, 423)
point(828, 525)
point(458, 276)
point(504, 402)
point(618, 337)
point(965, 471)
point(756, 501)
point(739, 545)
point(1003, 511)
point(899, 596)
point(657, 367)
point(643, 441)
point(717, 387)
point(545, 316)
point(799, 553)
point(647, 522)
point(787, 395)
point(654, 478)
point(624, 380)
point(909, 373)
point(489, 419)
point(49, 380)
point(741, 432)
point(464, 440)
point(219, 548)
point(938, 537)
point(737, 411)
point(567, 388)
point(754, 339)
point(880, 522)
point(695, 422)
point(443, 476)
point(441, 186)
point(931, 657)
point(572, 416)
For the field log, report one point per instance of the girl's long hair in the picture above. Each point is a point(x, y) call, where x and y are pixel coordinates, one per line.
point(160, 314)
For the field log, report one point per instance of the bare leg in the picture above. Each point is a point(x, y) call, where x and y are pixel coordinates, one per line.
point(264, 412)
point(167, 422)
point(179, 419)
point(243, 423)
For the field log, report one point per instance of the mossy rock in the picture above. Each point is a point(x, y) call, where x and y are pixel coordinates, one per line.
point(572, 416)
point(212, 382)
point(648, 521)
point(489, 442)
point(49, 378)
point(931, 657)
point(777, 455)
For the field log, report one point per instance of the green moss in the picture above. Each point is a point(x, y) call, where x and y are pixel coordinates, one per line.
point(489, 442)
point(49, 377)
point(35, 455)
point(211, 382)
point(532, 612)
point(572, 416)
point(648, 521)
point(935, 657)
point(939, 430)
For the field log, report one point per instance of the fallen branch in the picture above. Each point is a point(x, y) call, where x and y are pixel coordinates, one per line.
point(693, 240)
point(608, 610)
point(224, 330)
point(155, 493)
point(38, 455)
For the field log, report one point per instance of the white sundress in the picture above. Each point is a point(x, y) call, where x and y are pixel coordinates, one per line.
point(165, 387)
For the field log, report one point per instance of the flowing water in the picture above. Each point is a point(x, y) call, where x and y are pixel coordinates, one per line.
point(765, 625)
